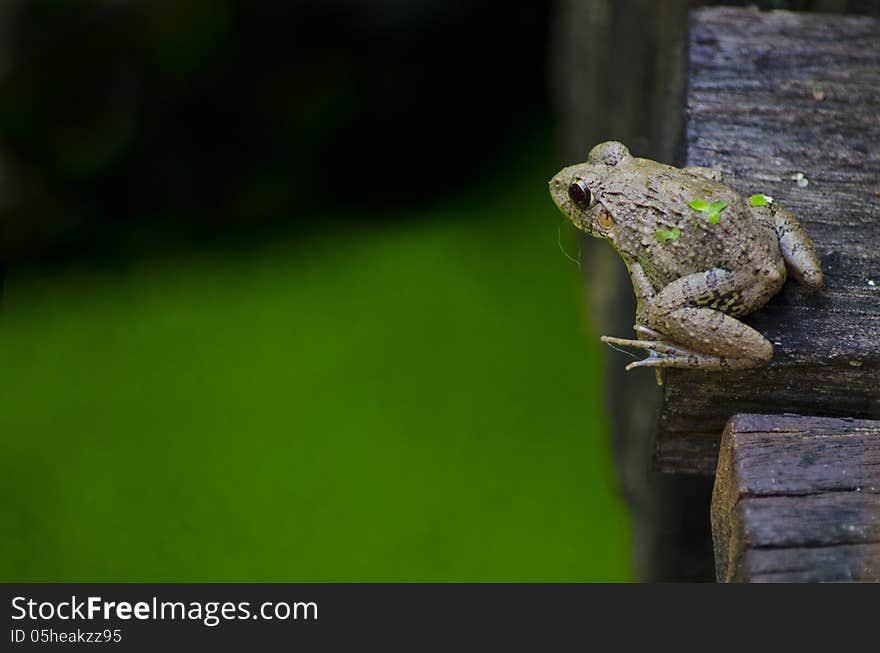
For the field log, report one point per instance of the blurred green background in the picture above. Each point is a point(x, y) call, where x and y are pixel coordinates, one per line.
point(405, 394)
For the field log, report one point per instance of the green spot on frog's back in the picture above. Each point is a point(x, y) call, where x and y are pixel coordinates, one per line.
point(668, 235)
point(712, 210)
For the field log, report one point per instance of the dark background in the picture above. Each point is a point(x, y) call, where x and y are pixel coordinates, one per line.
point(202, 116)
point(285, 298)
point(195, 118)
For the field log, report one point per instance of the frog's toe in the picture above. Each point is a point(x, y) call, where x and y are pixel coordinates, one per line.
point(649, 334)
point(657, 359)
point(651, 361)
point(658, 346)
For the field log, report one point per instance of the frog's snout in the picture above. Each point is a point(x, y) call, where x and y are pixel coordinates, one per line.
point(559, 192)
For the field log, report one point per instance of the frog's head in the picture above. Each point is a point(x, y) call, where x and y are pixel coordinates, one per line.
point(577, 189)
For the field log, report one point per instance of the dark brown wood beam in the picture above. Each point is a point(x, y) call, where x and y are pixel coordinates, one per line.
point(773, 94)
point(797, 499)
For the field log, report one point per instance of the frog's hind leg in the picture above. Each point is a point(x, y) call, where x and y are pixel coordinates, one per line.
point(797, 248)
point(707, 339)
point(728, 343)
point(693, 328)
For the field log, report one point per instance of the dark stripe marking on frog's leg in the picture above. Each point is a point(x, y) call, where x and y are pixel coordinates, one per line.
point(730, 303)
point(716, 289)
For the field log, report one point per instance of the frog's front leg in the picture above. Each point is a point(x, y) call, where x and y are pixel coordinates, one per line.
point(643, 289)
point(696, 331)
point(645, 293)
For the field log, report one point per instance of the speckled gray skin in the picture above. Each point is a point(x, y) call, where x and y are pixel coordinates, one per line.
point(690, 288)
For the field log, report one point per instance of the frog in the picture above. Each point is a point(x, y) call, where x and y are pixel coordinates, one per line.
point(700, 256)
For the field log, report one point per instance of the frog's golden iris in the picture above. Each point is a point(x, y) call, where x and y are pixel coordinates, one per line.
point(605, 220)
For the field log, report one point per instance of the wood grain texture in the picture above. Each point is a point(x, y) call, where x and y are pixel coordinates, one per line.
point(797, 499)
point(771, 95)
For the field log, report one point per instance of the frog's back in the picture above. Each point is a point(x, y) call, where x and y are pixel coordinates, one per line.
point(658, 199)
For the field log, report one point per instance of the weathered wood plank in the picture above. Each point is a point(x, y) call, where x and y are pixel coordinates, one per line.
point(771, 95)
point(797, 499)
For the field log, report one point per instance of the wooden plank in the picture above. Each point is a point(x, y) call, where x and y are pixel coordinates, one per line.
point(797, 499)
point(771, 95)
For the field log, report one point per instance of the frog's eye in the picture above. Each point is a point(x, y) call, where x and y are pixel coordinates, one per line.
point(581, 195)
point(605, 220)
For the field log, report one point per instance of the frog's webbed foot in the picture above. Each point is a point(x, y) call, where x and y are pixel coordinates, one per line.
point(661, 353)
